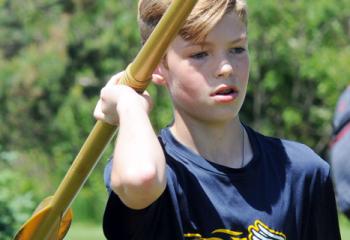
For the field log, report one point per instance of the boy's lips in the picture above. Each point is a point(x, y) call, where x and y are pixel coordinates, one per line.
point(225, 93)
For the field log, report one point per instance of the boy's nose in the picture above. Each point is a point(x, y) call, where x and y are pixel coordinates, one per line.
point(224, 70)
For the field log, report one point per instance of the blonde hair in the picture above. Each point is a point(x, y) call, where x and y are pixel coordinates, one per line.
point(205, 15)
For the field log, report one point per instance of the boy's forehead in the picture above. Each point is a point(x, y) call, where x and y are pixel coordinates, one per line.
point(229, 25)
point(229, 29)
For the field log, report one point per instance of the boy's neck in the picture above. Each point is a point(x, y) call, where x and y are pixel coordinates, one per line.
point(218, 143)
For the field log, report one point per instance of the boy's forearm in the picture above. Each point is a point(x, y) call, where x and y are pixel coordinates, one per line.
point(138, 173)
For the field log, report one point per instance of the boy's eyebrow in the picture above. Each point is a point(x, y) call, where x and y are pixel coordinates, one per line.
point(240, 39)
point(203, 44)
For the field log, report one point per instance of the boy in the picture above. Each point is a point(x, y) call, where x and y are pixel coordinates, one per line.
point(208, 176)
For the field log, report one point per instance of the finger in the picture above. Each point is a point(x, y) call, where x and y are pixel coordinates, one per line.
point(145, 93)
point(106, 118)
point(111, 120)
point(115, 78)
point(97, 111)
point(148, 99)
point(100, 115)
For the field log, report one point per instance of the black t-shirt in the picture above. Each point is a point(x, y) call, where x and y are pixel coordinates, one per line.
point(285, 192)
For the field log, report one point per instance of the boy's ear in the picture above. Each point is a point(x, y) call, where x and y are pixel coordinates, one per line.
point(158, 76)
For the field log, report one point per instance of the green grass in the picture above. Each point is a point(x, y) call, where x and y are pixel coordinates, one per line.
point(344, 227)
point(85, 231)
point(93, 231)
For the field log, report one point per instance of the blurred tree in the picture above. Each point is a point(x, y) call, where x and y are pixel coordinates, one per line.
point(17, 199)
point(54, 58)
point(300, 52)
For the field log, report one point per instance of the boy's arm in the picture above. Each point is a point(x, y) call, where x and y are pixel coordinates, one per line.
point(138, 167)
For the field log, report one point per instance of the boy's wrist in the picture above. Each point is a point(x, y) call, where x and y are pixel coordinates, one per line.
point(129, 110)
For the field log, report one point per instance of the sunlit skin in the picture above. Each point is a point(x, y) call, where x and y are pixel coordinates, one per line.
point(207, 82)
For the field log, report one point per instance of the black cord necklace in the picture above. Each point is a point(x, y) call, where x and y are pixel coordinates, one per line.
point(242, 164)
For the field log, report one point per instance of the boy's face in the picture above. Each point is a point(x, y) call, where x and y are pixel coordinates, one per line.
point(208, 81)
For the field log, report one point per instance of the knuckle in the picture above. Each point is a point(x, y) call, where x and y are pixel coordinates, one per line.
point(102, 92)
point(116, 77)
point(97, 115)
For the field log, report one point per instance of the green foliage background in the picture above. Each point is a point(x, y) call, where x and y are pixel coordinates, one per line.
point(56, 55)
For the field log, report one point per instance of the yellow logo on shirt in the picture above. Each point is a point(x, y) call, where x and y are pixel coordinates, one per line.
point(258, 231)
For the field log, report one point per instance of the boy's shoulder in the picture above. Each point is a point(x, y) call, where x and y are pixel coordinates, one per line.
point(298, 156)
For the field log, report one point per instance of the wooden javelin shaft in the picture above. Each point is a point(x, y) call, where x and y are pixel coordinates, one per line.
point(138, 76)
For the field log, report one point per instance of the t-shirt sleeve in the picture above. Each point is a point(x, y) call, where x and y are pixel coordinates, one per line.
point(157, 221)
point(324, 223)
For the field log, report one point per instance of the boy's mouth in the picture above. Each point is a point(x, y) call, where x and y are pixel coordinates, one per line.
point(225, 94)
point(225, 90)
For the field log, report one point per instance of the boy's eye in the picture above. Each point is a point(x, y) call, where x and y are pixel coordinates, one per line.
point(199, 55)
point(237, 50)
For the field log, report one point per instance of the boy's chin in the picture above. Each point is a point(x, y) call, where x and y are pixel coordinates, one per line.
point(222, 117)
